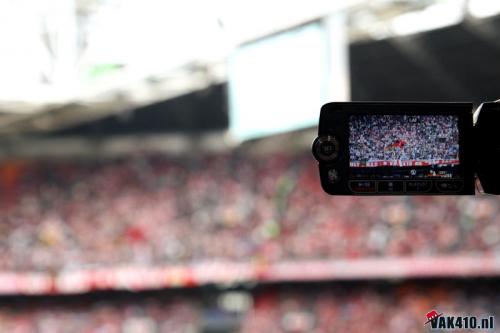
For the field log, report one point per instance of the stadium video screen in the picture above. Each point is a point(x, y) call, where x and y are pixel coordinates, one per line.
point(260, 84)
point(404, 146)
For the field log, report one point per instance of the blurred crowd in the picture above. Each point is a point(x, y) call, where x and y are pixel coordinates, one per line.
point(153, 209)
point(151, 316)
point(346, 307)
point(401, 308)
point(402, 137)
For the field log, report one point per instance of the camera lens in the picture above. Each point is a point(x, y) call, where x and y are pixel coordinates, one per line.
point(326, 148)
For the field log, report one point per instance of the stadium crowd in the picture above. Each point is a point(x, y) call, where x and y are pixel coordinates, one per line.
point(150, 316)
point(402, 137)
point(345, 307)
point(365, 308)
point(152, 209)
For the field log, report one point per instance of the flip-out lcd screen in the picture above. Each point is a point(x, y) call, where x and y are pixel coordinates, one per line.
point(404, 146)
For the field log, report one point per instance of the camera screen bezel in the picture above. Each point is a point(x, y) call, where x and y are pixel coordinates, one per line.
point(334, 122)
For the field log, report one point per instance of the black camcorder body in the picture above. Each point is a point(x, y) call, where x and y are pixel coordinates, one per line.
point(403, 148)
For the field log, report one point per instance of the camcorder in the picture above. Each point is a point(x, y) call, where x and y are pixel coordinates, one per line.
point(400, 148)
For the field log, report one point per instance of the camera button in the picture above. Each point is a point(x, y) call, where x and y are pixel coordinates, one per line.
point(449, 186)
point(333, 176)
point(418, 186)
point(363, 186)
point(326, 148)
point(390, 186)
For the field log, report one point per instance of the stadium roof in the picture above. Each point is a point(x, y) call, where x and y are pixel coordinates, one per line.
point(98, 57)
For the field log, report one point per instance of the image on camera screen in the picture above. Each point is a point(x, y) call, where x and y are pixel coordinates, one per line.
point(404, 146)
